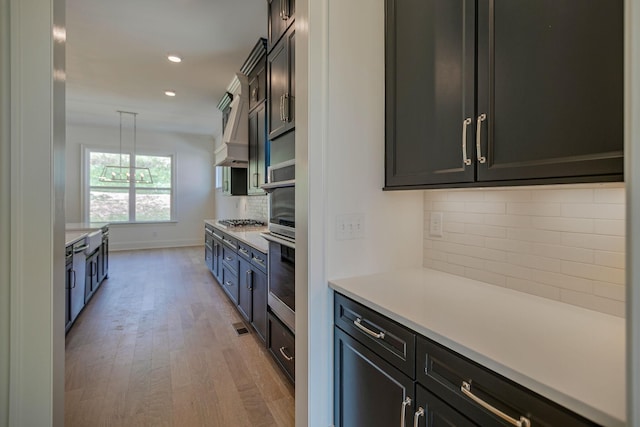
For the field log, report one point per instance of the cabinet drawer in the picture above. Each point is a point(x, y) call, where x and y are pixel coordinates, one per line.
point(388, 339)
point(230, 259)
point(230, 283)
point(244, 251)
point(259, 260)
point(230, 242)
point(444, 373)
point(282, 345)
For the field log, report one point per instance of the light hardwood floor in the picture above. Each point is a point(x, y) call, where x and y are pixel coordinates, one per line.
point(156, 347)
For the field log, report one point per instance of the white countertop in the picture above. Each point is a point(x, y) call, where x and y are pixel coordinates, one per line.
point(70, 237)
point(85, 226)
point(571, 355)
point(249, 235)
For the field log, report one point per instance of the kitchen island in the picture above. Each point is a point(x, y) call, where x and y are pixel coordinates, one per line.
point(572, 356)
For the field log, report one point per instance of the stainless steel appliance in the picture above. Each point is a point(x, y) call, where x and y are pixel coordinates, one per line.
point(282, 201)
point(282, 283)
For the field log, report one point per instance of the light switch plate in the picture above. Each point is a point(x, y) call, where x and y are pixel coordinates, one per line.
point(351, 226)
point(435, 224)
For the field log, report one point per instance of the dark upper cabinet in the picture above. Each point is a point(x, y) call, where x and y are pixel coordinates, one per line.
point(430, 75)
point(258, 150)
point(255, 68)
point(281, 16)
point(281, 85)
point(509, 93)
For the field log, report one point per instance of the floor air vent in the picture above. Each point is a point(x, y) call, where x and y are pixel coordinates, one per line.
point(240, 328)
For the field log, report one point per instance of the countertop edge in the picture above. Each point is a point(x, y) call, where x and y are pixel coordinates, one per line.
point(561, 398)
point(237, 234)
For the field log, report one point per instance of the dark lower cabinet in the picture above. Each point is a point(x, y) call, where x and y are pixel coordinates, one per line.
point(103, 256)
point(69, 282)
point(230, 283)
point(281, 343)
point(429, 411)
point(252, 296)
point(245, 291)
point(369, 392)
point(91, 282)
point(448, 389)
point(497, 92)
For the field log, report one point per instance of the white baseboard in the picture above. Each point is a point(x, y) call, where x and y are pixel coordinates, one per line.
point(154, 244)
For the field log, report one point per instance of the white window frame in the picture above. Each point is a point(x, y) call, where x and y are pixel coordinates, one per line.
point(86, 187)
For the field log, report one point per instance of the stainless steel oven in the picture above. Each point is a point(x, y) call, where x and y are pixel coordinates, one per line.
point(281, 189)
point(282, 280)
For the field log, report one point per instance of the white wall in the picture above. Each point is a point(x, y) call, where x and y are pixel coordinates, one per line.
point(35, 214)
point(194, 180)
point(632, 178)
point(346, 175)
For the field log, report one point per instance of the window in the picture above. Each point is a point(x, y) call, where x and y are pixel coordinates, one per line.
point(112, 196)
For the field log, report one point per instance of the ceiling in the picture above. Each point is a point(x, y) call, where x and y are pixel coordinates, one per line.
point(116, 59)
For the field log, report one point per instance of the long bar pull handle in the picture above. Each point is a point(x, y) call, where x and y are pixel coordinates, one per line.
point(416, 417)
point(481, 118)
point(406, 402)
point(250, 280)
point(257, 179)
point(359, 325)
point(282, 107)
point(286, 107)
point(285, 355)
point(466, 160)
point(74, 279)
point(465, 388)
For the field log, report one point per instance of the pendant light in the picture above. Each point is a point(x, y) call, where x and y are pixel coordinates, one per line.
point(121, 173)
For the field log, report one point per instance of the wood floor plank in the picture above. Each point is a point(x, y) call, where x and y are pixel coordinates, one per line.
point(156, 347)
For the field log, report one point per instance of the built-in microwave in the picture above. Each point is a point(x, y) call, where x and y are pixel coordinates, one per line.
point(282, 201)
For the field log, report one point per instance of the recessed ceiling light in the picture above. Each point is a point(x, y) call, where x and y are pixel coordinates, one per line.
point(169, 93)
point(174, 58)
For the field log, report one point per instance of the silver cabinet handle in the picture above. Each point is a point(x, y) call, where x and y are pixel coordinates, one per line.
point(286, 107)
point(285, 355)
point(481, 118)
point(80, 249)
point(416, 417)
point(228, 283)
point(465, 159)
point(74, 279)
point(359, 325)
point(228, 258)
point(259, 261)
point(465, 388)
point(406, 402)
point(250, 280)
point(282, 107)
point(244, 251)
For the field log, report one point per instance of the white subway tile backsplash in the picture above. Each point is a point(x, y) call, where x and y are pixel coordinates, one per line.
point(612, 227)
point(533, 288)
point(486, 230)
point(610, 195)
point(485, 207)
point(609, 290)
point(593, 272)
point(593, 302)
point(592, 210)
point(610, 259)
point(562, 242)
point(535, 209)
point(576, 225)
point(564, 195)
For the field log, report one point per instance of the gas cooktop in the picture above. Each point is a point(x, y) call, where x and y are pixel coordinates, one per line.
point(241, 223)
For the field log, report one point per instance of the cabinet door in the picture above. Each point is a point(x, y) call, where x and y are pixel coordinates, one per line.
point(245, 289)
point(430, 104)
point(550, 82)
point(258, 150)
point(281, 16)
point(259, 299)
point(436, 413)
point(281, 90)
point(369, 392)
